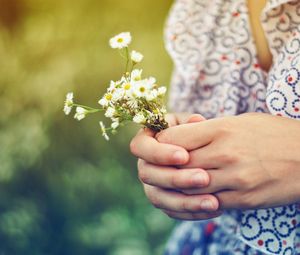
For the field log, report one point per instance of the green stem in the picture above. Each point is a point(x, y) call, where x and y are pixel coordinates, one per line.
point(127, 59)
point(95, 110)
point(88, 108)
point(120, 52)
point(133, 65)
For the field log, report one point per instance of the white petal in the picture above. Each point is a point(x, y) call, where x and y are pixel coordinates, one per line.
point(162, 91)
point(103, 102)
point(136, 56)
point(120, 41)
point(102, 126)
point(110, 112)
point(79, 116)
point(69, 96)
point(106, 136)
point(67, 109)
point(139, 118)
point(80, 113)
point(115, 125)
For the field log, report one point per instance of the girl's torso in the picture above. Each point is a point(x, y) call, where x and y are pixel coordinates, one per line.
point(223, 66)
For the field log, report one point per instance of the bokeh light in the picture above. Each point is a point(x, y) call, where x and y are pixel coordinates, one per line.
point(63, 189)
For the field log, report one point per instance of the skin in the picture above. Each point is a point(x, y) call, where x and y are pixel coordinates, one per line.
point(249, 161)
point(263, 52)
point(197, 167)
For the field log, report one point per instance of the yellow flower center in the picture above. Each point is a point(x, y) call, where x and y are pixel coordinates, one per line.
point(108, 97)
point(120, 40)
point(142, 89)
point(127, 86)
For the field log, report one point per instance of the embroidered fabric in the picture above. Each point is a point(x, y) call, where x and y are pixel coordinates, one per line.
point(217, 74)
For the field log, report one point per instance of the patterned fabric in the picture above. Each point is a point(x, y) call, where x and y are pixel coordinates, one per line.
point(217, 74)
point(206, 238)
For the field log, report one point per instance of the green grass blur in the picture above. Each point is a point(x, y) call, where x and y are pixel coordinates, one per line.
point(63, 189)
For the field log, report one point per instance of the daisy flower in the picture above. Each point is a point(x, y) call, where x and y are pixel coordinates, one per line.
point(105, 100)
point(120, 41)
point(115, 125)
point(80, 113)
point(162, 91)
point(117, 95)
point(152, 95)
point(131, 98)
point(103, 130)
point(133, 104)
point(110, 112)
point(112, 86)
point(136, 57)
point(127, 90)
point(139, 118)
point(68, 103)
point(151, 82)
point(141, 88)
point(136, 75)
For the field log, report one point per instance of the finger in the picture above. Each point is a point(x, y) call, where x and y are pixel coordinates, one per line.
point(204, 157)
point(189, 136)
point(211, 156)
point(184, 118)
point(171, 119)
point(175, 201)
point(171, 177)
point(192, 216)
point(219, 180)
point(146, 147)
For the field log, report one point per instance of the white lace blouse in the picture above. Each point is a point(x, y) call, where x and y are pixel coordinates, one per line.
point(217, 74)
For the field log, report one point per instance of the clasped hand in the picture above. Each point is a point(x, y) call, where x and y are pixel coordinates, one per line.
point(197, 168)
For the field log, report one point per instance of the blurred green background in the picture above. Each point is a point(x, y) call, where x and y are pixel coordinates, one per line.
point(63, 189)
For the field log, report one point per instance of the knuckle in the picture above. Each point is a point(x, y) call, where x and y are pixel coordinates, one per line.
point(190, 207)
point(143, 176)
point(226, 157)
point(243, 180)
point(225, 129)
point(154, 198)
point(184, 205)
point(133, 146)
point(175, 181)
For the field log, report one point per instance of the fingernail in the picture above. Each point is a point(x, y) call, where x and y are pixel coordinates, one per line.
point(199, 179)
point(179, 156)
point(207, 204)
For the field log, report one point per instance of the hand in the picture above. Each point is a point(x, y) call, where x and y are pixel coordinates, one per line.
point(253, 160)
point(161, 181)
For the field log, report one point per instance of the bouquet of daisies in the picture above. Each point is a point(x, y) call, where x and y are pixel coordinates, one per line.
point(130, 99)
